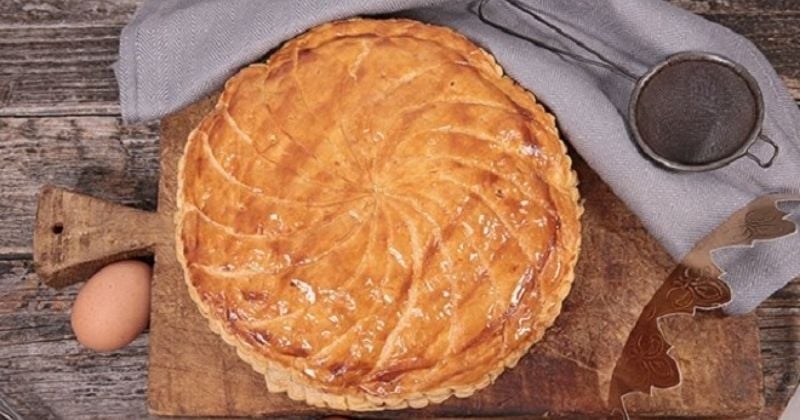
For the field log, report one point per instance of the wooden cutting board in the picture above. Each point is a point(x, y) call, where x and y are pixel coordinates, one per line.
point(193, 373)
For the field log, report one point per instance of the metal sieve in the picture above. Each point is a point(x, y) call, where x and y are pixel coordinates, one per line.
point(693, 111)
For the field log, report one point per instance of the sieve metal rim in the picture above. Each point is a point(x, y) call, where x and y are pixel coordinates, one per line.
point(642, 82)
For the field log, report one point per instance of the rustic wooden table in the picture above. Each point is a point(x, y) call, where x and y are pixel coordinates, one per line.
point(60, 124)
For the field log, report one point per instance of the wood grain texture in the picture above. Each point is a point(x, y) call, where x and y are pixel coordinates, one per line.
point(113, 386)
point(51, 70)
point(779, 327)
point(72, 13)
point(773, 25)
point(55, 55)
point(44, 373)
point(95, 155)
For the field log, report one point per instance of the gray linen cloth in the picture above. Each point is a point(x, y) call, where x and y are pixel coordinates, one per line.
point(174, 52)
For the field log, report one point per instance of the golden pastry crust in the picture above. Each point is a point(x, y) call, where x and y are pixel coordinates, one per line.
point(377, 218)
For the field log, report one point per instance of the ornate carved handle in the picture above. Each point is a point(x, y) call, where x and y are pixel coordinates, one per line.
point(693, 284)
point(644, 362)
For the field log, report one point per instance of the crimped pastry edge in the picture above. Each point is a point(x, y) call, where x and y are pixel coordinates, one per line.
point(280, 379)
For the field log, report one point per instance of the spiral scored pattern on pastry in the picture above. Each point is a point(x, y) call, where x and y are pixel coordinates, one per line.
point(377, 217)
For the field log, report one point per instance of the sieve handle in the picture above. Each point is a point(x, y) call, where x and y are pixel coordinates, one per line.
point(599, 61)
point(775, 150)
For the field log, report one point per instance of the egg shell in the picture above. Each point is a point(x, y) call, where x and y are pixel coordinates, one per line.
point(113, 307)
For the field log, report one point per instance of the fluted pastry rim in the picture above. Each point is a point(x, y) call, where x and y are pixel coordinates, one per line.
point(286, 380)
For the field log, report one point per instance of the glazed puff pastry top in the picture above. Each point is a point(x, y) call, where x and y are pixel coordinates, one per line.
point(376, 217)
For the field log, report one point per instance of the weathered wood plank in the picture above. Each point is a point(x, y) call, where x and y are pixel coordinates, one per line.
point(58, 70)
point(95, 155)
point(66, 12)
point(773, 25)
point(44, 373)
point(53, 62)
point(779, 326)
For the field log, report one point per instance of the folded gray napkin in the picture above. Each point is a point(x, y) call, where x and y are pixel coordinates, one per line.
point(174, 52)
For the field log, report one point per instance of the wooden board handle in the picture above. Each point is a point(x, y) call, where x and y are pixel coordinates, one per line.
point(76, 235)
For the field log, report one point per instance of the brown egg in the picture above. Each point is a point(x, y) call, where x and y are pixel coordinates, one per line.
point(113, 307)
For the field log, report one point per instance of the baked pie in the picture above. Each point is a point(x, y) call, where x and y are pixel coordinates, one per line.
point(377, 217)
